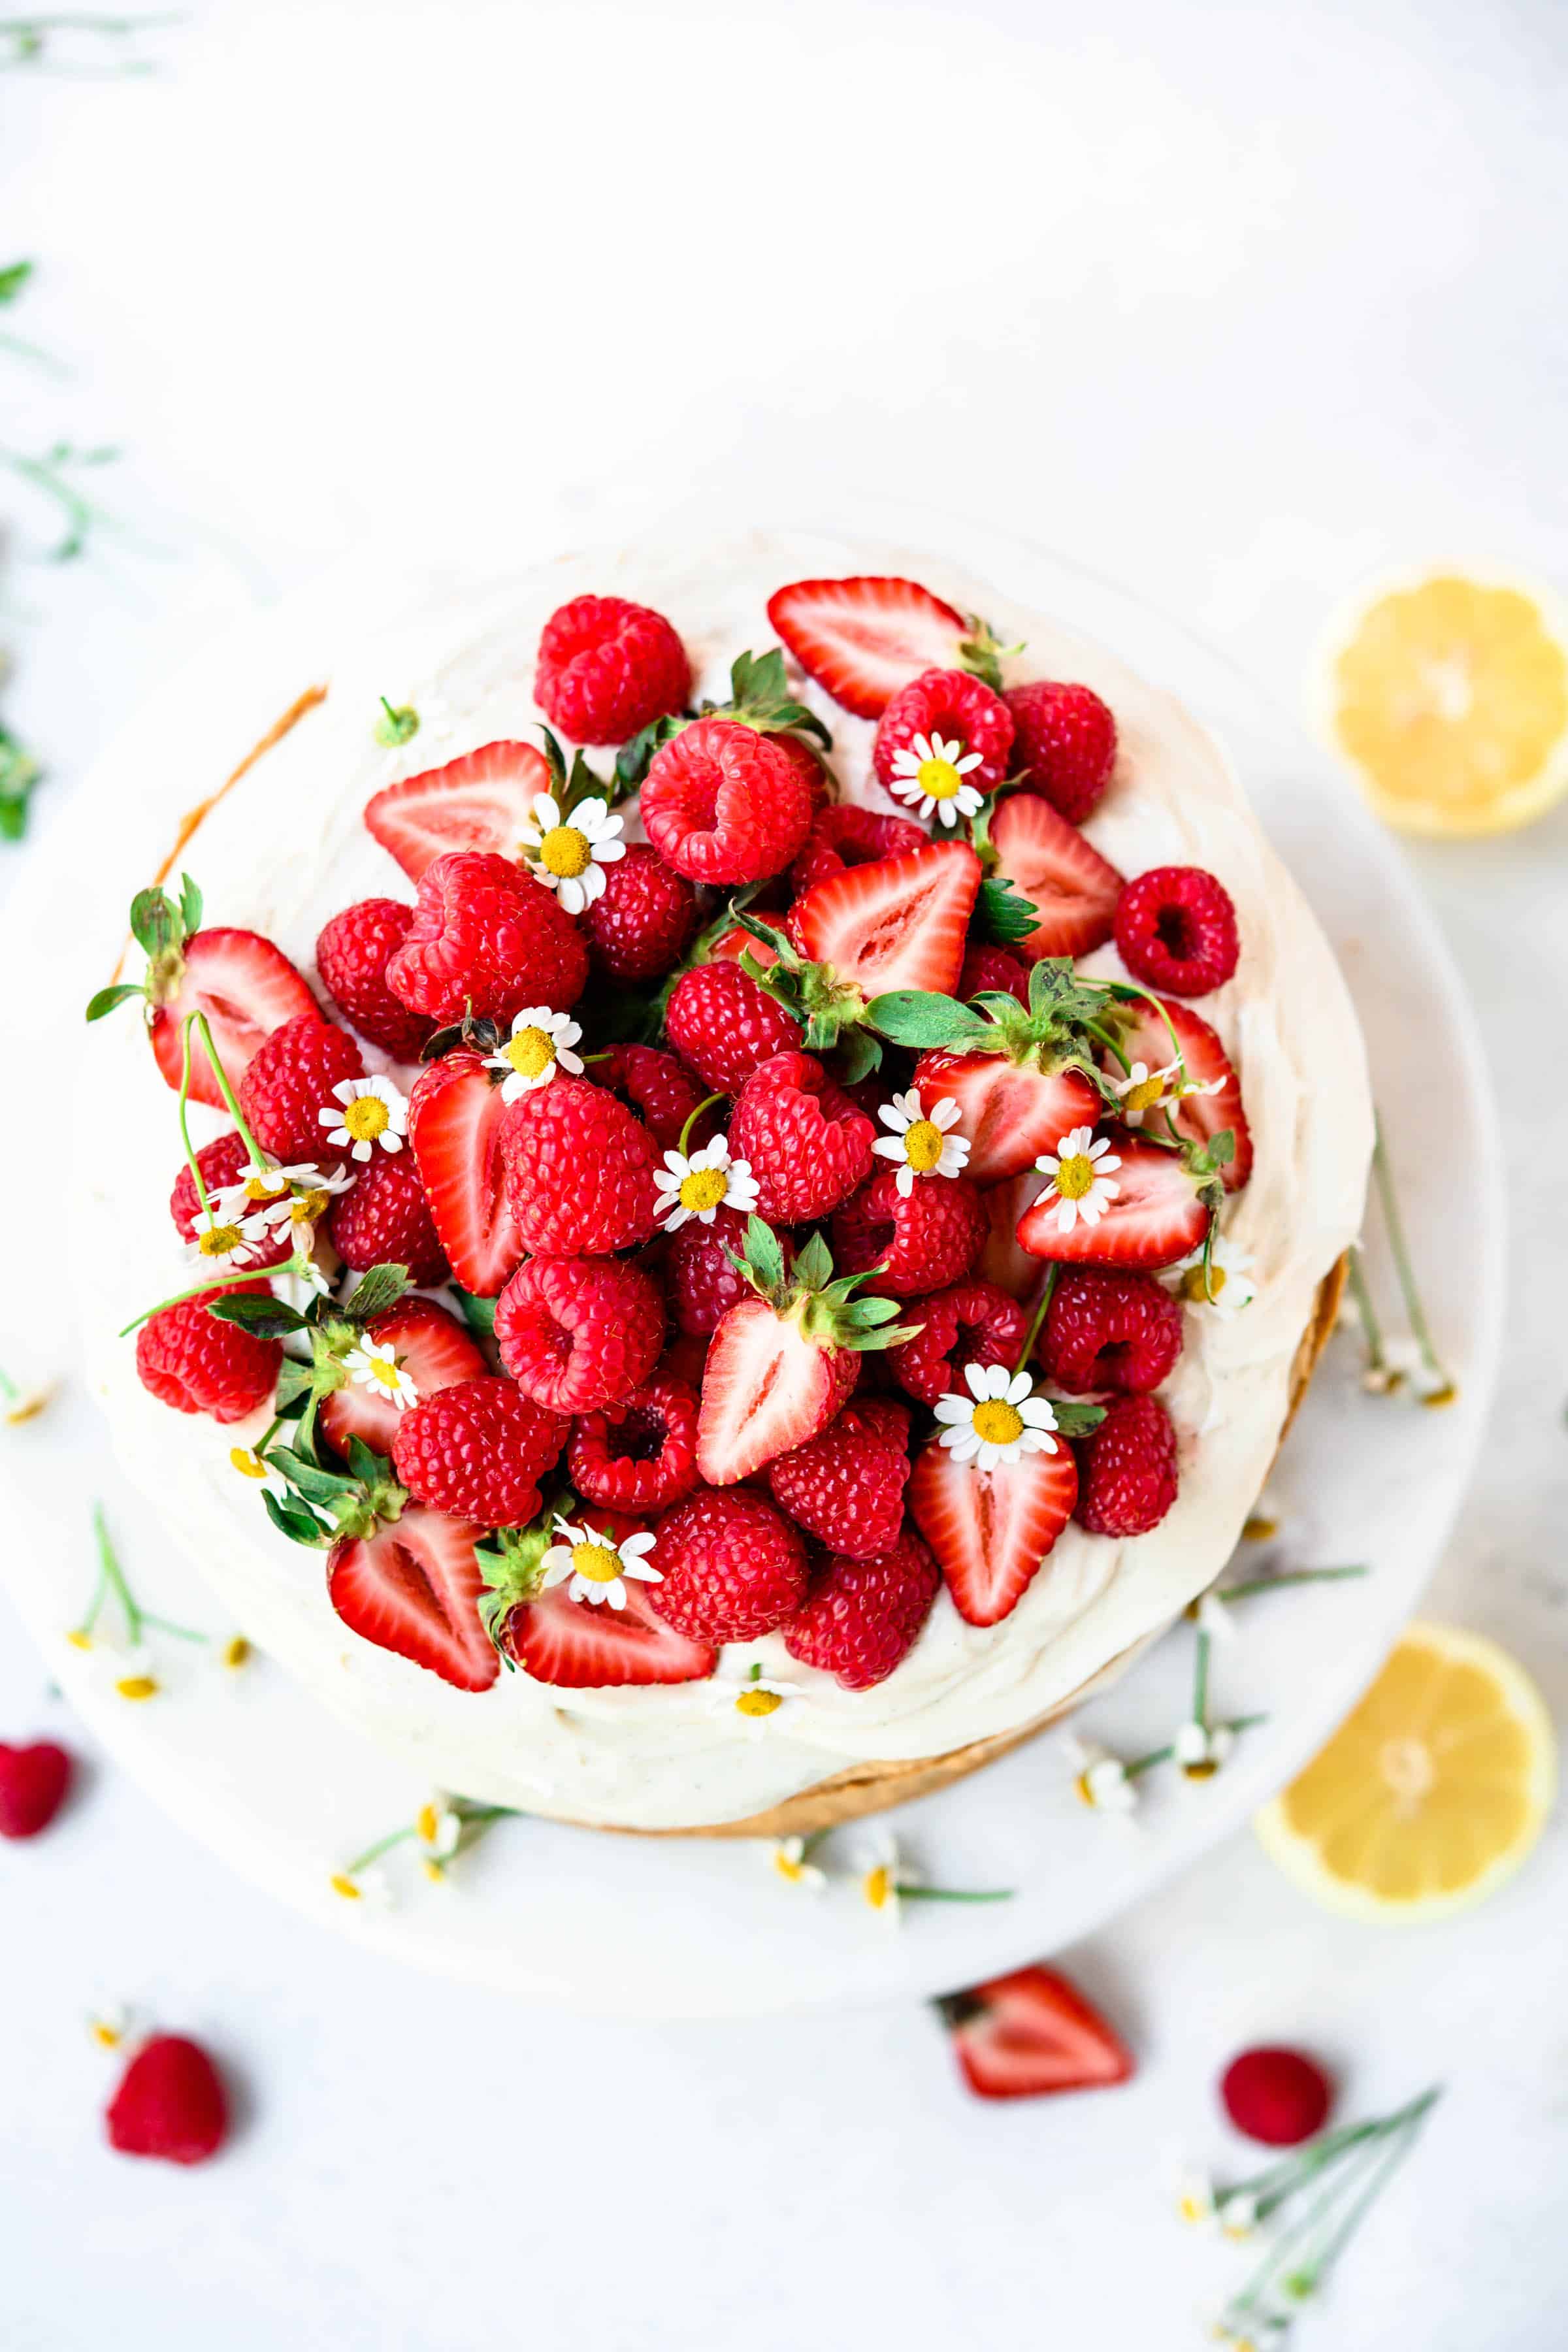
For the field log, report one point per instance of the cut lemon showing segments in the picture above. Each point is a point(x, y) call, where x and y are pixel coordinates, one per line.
point(1429, 1794)
point(1449, 698)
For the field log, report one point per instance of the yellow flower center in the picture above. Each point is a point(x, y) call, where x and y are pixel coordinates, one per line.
point(564, 851)
point(341, 1884)
point(219, 1240)
point(1145, 1094)
point(1192, 2208)
point(264, 1188)
point(1203, 1768)
point(940, 778)
point(236, 1652)
point(923, 1144)
point(106, 2035)
point(79, 1638)
point(597, 1563)
point(427, 1824)
point(1074, 1176)
point(788, 1867)
point(878, 1887)
point(366, 1117)
point(704, 1188)
point(384, 1373)
point(997, 1422)
point(531, 1052)
point(248, 1464)
point(758, 1702)
point(1085, 1791)
point(306, 1207)
point(1192, 1284)
point(137, 1686)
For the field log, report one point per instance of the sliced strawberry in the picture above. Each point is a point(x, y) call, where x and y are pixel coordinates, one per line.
point(479, 802)
point(1002, 1258)
point(246, 988)
point(766, 1388)
point(1019, 2035)
point(1148, 1039)
point(414, 1587)
point(901, 923)
point(1011, 1111)
point(433, 1349)
point(1156, 1217)
point(736, 943)
point(991, 1530)
point(455, 1118)
point(862, 639)
point(579, 1645)
point(1072, 888)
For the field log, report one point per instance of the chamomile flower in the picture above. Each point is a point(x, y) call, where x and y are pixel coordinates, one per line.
point(929, 775)
point(1200, 1748)
point(307, 1195)
point(596, 1567)
point(919, 1141)
point(569, 854)
point(1142, 1090)
point(371, 1887)
point(540, 1045)
point(374, 1365)
point(700, 1185)
point(369, 1112)
point(751, 1697)
point(1080, 1175)
point(787, 1857)
point(884, 1879)
point(18, 1406)
point(1100, 1779)
point(264, 1184)
point(1230, 1286)
point(1214, 1616)
point(218, 1239)
point(439, 1830)
point(999, 1422)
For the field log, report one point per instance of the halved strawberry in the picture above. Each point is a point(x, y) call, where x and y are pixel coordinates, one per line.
point(414, 1587)
point(864, 638)
point(479, 802)
point(246, 988)
point(1158, 1214)
point(1019, 2035)
point(901, 923)
point(1145, 1038)
point(433, 1349)
point(991, 1530)
point(579, 1646)
point(455, 1116)
point(1003, 1259)
point(1072, 888)
point(1011, 1111)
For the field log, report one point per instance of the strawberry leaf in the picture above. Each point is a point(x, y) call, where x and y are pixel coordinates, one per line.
point(301, 1527)
point(265, 1319)
point(190, 905)
point(1075, 1420)
point(378, 1288)
point(911, 1016)
point(1004, 914)
point(478, 1314)
point(155, 922)
point(107, 998)
point(12, 279)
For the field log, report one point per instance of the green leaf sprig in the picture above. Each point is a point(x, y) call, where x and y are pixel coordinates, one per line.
point(826, 1305)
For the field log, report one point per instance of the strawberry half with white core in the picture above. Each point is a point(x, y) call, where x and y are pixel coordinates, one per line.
point(416, 1339)
point(1032, 2031)
point(414, 1587)
point(1159, 1204)
point(541, 1615)
point(1199, 1093)
point(863, 638)
point(991, 1530)
point(483, 801)
point(1072, 890)
point(782, 1363)
point(455, 1116)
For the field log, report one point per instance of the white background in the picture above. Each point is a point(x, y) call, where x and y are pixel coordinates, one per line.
point(1240, 305)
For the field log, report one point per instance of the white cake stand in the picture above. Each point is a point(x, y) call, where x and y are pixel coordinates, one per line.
point(256, 1771)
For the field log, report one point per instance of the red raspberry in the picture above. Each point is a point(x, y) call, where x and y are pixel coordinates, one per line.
point(1106, 1331)
point(1127, 1469)
point(486, 938)
point(220, 1163)
point(1275, 2095)
point(720, 1021)
point(1175, 929)
point(170, 2103)
point(606, 667)
point(962, 710)
point(580, 1171)
point(923, 1240)
point(643, 1455)
point(685, 1359)
point(864, 1616)
point(989, 967)
point(852, 836)
point(642, 918)
point(974, 1323)
point(351, 956)
point(808, 766)
point(807, 1144)
point(701, 1281)
point(33, 1785)
point(190, 1360)
point(578, 1333)
point(660, 1089)
point(723, 803)
point(383, 1219)
point(290, 1081)
point(846, 1487)
point(477, 1451)
point(1064, 744)
point(732, 1569)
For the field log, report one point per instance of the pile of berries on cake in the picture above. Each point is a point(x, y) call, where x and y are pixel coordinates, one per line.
point(741, 1230)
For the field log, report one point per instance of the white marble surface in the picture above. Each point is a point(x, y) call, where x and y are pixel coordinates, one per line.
point(1239, 304)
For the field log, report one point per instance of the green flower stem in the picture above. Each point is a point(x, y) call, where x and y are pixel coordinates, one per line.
point(9, 1387)
point(1371, 1323)
point(257, 1156)
point(707, 1104)
point(908, 1893)
point(382, 1846)
point(1036, 1321)
point(200, 1290)
point(190, 1160)
point(111, 1578)
point(1201, 1676)
point(476, 1819)
point(1104, 1037)
point(1383, 1177)
point(1291, 1576)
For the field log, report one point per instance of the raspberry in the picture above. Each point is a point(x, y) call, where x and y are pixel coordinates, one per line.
point(221, 1162)
point(808, 766)
point(606, 667)
point(33, 1785)
point(1106, 1331)
point(578, 1333)
point(723, 804)
point(699, 1276)
point(922, 1240)
point(351, 956)
point(486, 939)
point(477, 1452)
point(190, 1360)
point(660, 1089)
point(851, 836)
point(720, 1021)
point(1275, 2095)
point(170, 2103)
point(864, 1614)
point(643, 1455)
point(733, 1570)
point(1175, 929)
point(580, 1171)
point(685, 1359)
point(1127, 1469)
point(642, 918)
point(989, 967)
point(807, 1144)
point(846, 1486)
point(962, 710)
point(383, 1219)
point(1064, 744)
point(974, 1323)
point(291, 1080)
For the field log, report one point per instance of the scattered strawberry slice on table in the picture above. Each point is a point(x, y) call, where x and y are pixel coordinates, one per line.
point(991, 1530)
point(863, 638)
point(34, 1782)
point(901, 923)
point(170, 2103)
point(414, 1587)
point(431, 1346)
point(1032, 2031)
point(481, 801)
point(455, 1120)
point(1073, 890)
